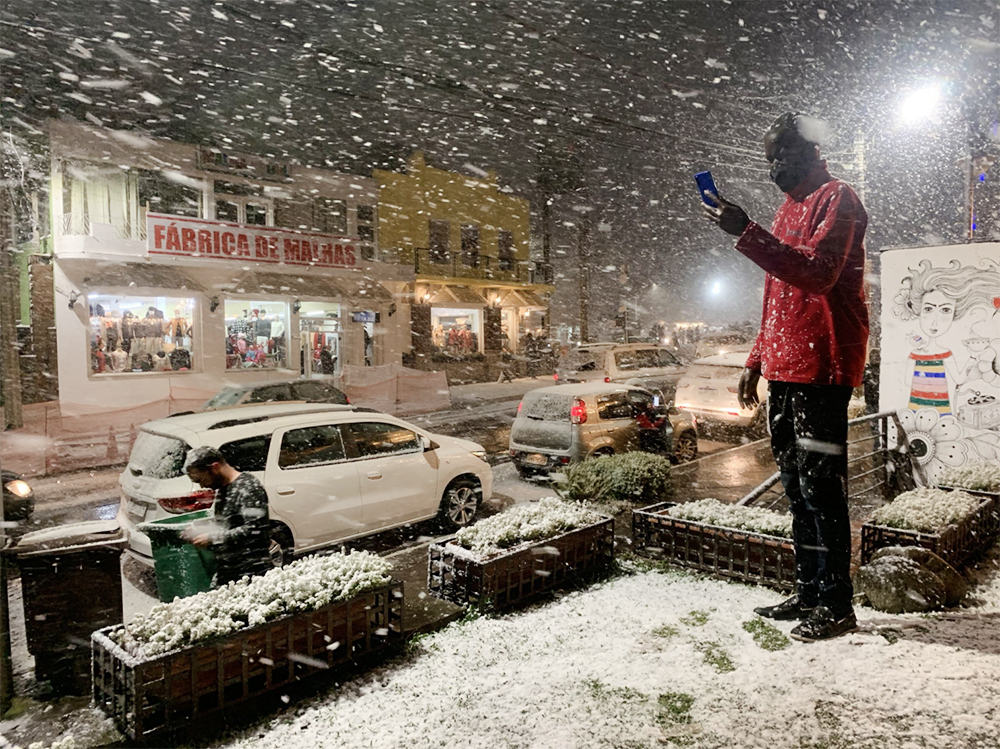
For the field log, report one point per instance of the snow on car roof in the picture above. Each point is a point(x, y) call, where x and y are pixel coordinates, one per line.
point(186, 424)
point(584, 388)
point(729, 359)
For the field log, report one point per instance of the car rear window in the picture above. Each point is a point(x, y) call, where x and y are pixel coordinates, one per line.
point(247, 454)
point(547, 406)
point(582, 361)
point(644, 359)
point(158, 456)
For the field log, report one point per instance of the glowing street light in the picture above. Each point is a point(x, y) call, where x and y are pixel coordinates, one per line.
point(920, 104)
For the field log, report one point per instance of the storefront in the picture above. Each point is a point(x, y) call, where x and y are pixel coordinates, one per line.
point(137, 329)
point(457, 330)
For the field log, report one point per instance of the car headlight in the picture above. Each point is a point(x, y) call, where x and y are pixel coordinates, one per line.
point(18, 488)
point(481, 454)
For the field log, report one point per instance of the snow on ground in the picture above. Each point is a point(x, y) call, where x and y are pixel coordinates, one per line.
point(661, 658)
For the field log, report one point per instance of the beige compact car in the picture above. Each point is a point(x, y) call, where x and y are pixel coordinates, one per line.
point(647, 365)
point(563, 424)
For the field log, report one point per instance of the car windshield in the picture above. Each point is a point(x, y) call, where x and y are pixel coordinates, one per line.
point(158, 456)
point(225, 398)
point(582, 361)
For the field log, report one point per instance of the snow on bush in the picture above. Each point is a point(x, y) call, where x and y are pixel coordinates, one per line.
point(303, 585)
point(528, 522)
point(65, 743)
point(756, 519)
point(977, 476)
point(629, 477)
point(926, 510)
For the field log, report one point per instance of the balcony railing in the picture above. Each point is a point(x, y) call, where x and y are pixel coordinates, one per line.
point(80, 224)
point(479, 267)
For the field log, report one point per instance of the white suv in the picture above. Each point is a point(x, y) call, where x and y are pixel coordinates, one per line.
point(646, 365)
point(332, 473)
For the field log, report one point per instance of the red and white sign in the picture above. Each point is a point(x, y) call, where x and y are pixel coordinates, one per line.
point(180, 236)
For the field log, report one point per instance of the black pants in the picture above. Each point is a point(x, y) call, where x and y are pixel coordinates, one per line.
point(809, 441)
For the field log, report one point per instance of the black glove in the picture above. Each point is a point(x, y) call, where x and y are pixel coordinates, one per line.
point(746, 394)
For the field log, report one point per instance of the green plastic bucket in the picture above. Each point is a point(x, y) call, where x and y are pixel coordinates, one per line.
point(181, 569)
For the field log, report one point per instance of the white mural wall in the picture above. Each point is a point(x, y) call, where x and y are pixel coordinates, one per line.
point(940, 351)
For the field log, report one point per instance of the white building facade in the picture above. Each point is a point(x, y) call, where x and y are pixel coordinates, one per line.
point(184, 269)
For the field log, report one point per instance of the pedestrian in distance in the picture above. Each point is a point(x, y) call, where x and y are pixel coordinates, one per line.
point(811, 348)
point(240, 539)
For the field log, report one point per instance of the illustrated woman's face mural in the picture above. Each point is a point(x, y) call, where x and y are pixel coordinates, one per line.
point(937, 313)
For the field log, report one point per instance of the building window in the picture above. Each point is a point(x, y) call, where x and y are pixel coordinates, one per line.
point(240, 203)
point(439, 240)
point(505, 250)
point(226, 211)
point(140, 334)
point(319, 214)
point(161, 195)
point(366, 231)
point(470, 246)
point(256, 215)
point(256, 334)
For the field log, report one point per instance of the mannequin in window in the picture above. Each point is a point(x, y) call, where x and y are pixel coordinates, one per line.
point(100, 360)
point(241, 345)
point(119, 359)
point(326, 361)
point(263, 329)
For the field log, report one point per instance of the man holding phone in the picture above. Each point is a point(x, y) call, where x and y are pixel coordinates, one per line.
point(811, 348)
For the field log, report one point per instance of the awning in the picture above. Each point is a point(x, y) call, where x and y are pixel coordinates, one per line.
point(101, 274)
point(451, 296)
point(347, 288)
point(522, 298)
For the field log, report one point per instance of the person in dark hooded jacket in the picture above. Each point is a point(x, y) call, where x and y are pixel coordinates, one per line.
point(242, 539)
point(811, 348)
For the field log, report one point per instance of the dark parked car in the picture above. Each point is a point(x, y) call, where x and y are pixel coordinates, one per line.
point(18, 498)
point(310, 391)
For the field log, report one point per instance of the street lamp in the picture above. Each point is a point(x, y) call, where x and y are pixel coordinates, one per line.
point(920, 104)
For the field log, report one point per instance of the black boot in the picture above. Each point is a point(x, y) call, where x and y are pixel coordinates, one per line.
point(786, 611)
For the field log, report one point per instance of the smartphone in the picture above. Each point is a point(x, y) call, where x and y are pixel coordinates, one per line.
point(706, 184)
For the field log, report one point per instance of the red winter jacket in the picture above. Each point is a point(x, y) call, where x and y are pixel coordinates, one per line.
point(814, 327)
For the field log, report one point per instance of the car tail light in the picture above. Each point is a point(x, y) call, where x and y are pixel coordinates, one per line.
point(555, 376)
point(513, 453)
point(733, 389)
point(564, 460)
point(193, 502)
point(520, 406)
point(578, 412)
point(607, 379)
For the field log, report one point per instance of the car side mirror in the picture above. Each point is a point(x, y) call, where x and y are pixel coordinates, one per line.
point(429, 444)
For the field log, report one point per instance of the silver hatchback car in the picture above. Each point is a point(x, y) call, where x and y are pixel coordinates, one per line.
point(559, 425)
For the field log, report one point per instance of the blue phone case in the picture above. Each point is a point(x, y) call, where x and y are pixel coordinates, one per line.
point(705, 183)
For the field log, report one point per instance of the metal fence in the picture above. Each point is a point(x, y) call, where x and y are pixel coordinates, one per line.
point(876, 471)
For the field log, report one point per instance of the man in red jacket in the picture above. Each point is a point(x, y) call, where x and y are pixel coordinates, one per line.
point(811, 348)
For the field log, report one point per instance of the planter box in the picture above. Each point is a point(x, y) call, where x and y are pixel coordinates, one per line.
point(160, 695)
point(956, 544)
point(724, 552)
point(456, 575)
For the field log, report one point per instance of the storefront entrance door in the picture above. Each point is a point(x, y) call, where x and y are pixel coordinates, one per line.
point(321, 346)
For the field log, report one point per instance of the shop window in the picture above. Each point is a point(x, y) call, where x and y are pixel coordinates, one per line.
point(505, 250)
point(256, 334)
point(140, 334)
point(470, 246)
point(439, 242)
point(455, 331)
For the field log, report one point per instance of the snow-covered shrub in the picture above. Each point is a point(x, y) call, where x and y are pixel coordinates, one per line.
point(926, 510)
point(978, 476)
point(304, 585)
point(522, 523)
point(629, 477)
point(756, 519)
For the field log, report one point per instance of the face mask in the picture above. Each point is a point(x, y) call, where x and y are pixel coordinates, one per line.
point(787, 175)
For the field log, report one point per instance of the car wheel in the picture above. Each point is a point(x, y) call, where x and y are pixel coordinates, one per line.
point(460, 503)
point(281, 547)
point(603, 451)
point(685, 447)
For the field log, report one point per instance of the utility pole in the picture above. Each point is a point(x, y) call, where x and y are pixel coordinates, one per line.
point(583, 238)
point(10, 363)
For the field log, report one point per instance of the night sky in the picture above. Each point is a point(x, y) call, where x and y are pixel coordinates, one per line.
point(643, 93)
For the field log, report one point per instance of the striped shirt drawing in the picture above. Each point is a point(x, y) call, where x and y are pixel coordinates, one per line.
point(930, 383)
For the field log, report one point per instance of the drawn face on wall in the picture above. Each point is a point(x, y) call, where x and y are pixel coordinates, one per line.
point(937, 313)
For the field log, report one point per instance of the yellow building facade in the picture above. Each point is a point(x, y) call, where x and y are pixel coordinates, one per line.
point(468, 241)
